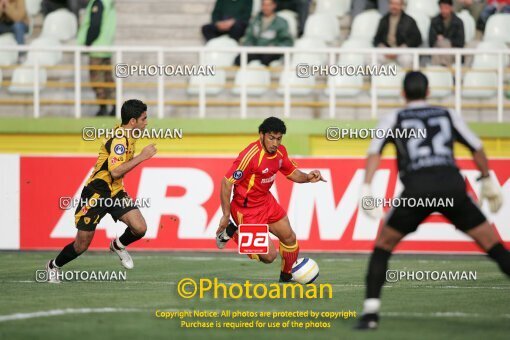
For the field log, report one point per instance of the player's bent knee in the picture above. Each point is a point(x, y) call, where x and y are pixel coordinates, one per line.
point(139, 230)
point(81, 246)
point(289, 240)
point(268, 258)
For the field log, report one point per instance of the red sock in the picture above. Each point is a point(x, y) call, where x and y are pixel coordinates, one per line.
point(289, 255)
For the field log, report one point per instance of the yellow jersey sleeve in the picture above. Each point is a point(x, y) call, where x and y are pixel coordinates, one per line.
point(118, 153)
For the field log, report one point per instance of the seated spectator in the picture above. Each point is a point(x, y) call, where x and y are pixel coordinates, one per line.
point(48, 6)
point(397, 29)
point(228, 17)
point(301, 7)
point(14, 19)
point(267, 29)
point(493, 7)
point(474, 7)
point(359, 6)
point(446, 31)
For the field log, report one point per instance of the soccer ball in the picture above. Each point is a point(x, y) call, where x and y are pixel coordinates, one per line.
point(305, 270)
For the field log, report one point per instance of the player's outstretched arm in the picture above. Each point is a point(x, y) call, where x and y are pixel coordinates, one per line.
point(371, 166)
point(226, 191)
point(311, 177)
point(147, 153)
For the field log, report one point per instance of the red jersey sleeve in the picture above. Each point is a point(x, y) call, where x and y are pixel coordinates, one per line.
point(288, 166)
point(242, 165)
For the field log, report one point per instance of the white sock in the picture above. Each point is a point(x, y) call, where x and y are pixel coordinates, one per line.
point(371, 306)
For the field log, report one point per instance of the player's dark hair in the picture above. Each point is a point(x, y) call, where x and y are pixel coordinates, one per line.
point(445, 2)
point(415, 85)
point(132, 108)
point(272, 124)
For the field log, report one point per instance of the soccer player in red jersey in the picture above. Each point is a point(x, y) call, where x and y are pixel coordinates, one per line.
point(251, 177)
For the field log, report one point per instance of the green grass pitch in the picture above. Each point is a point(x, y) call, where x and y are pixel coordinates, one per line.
point(125, 310)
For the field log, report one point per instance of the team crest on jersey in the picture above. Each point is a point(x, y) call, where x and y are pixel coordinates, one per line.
point(86, 220)
point(238, 174)
point(114, 160)
point(119, 149)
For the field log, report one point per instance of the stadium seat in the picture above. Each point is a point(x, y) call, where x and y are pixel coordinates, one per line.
point(8, 57)
point(257, 77)
point(428, 7)
point(298, 86)
point(22, 81)
point(440, 81)
point(309, 58)
point(213, 84)
point(322, 26)
point(336, 7)
point(489, 61)
point(498, 28)
point(291, 18)
point(354, 58)
point(389, 86)
point(423, 23)
point(364, 26)
point(255, 9)
point(33, 7)
point(46, 58)
point(61, 24)
point(346, 86)
point(220, 59)
point(469, 25)
point(480, 85)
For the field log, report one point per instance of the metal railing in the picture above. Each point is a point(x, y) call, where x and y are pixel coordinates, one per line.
point(333, 54)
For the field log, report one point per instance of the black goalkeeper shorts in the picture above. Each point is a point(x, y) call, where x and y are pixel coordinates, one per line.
point(446, 187)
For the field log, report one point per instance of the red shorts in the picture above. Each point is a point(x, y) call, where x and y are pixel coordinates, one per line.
point(268, 213)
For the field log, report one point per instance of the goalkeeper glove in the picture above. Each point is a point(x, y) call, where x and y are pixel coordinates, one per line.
point(491, 193)
point(368, 203)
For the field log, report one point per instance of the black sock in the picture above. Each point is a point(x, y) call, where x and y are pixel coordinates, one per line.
point(377, 272)
point(128, 237)
point(502, 256)
point(285, 277)
point(231, 229)
point(66, 255)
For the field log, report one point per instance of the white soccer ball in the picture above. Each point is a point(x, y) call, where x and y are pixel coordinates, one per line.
point(305, 270)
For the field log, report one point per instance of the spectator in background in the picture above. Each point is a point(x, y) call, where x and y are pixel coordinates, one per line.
point(228, 17)
point(266, 29)
point(359, 6)
point(397, 29)
point(48, 6)
point(492, 7)
point(446, 31)
point(14, 19)
point(301, 7)
point(98, 29)
point(474, 7)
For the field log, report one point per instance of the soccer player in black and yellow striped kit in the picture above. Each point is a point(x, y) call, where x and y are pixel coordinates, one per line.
point(116, 159)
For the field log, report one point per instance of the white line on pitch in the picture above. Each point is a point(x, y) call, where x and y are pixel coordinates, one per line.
point(445, 315)
point(57, 312)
